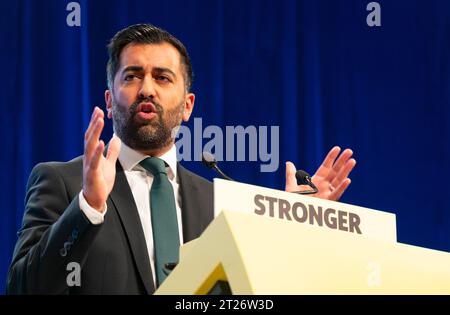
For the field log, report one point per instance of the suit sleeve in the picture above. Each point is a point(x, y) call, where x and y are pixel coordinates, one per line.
point(54, 233)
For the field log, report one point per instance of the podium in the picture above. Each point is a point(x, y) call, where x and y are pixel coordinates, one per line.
point(270, 254)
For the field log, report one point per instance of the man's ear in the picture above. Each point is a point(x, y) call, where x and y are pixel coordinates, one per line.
point(188, 106)
point(108, 101)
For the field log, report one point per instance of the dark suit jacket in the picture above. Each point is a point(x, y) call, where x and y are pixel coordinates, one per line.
point(113, 255)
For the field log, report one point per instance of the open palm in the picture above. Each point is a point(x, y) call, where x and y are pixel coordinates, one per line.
point(331, 178)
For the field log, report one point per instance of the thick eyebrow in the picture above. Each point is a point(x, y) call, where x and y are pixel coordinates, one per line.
point(158, 70)
point(133, 69)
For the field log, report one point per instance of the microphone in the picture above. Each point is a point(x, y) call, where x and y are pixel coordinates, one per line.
point(210, 161)
point(303, 178)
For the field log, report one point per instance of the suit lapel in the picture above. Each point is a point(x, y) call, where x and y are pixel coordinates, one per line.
point(196, 203)
point(123, 200)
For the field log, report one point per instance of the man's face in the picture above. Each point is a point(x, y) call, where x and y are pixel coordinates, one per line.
point(149, 97)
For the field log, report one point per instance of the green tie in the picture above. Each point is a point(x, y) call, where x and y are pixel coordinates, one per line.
point(164, 218)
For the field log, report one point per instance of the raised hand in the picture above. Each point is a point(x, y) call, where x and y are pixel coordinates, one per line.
point(99, 172)
point(331, 178)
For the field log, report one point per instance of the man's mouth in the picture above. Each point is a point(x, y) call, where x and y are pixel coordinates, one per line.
point(146, 111)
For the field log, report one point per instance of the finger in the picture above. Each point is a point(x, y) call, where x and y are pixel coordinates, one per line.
point(337, 193)
point(113, 149)
point(291, 181)
point(88, 132)
point(327, 163)
point(95, 114)
point(331, 156)
point(91, 141)
point(94, 138)
point(344, 172)
point(343, 158)
point(97, 155)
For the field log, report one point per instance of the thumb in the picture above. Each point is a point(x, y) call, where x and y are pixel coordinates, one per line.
point(113, 149)
point(291, 181)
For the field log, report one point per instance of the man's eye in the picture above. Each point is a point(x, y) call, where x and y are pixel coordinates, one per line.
point(129, 77)
point(163, 78)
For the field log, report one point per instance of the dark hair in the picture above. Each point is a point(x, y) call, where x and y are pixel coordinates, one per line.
point(144, 34)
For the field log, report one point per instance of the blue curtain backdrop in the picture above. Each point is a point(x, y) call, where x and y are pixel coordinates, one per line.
point(313, 68)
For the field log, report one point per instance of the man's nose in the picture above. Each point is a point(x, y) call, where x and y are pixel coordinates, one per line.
point(147, 88)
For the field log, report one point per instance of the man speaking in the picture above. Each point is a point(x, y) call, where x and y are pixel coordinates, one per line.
point(120, 211)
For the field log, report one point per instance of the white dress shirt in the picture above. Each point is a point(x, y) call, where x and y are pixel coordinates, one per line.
point(140, 182)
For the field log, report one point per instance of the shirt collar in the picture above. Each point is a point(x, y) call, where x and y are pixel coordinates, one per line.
point(130, 159)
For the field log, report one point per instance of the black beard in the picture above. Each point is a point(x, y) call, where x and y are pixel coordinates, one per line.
point(145, 136)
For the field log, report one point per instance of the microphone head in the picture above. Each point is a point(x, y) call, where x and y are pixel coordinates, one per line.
point(302, 177)
point(208, 159)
